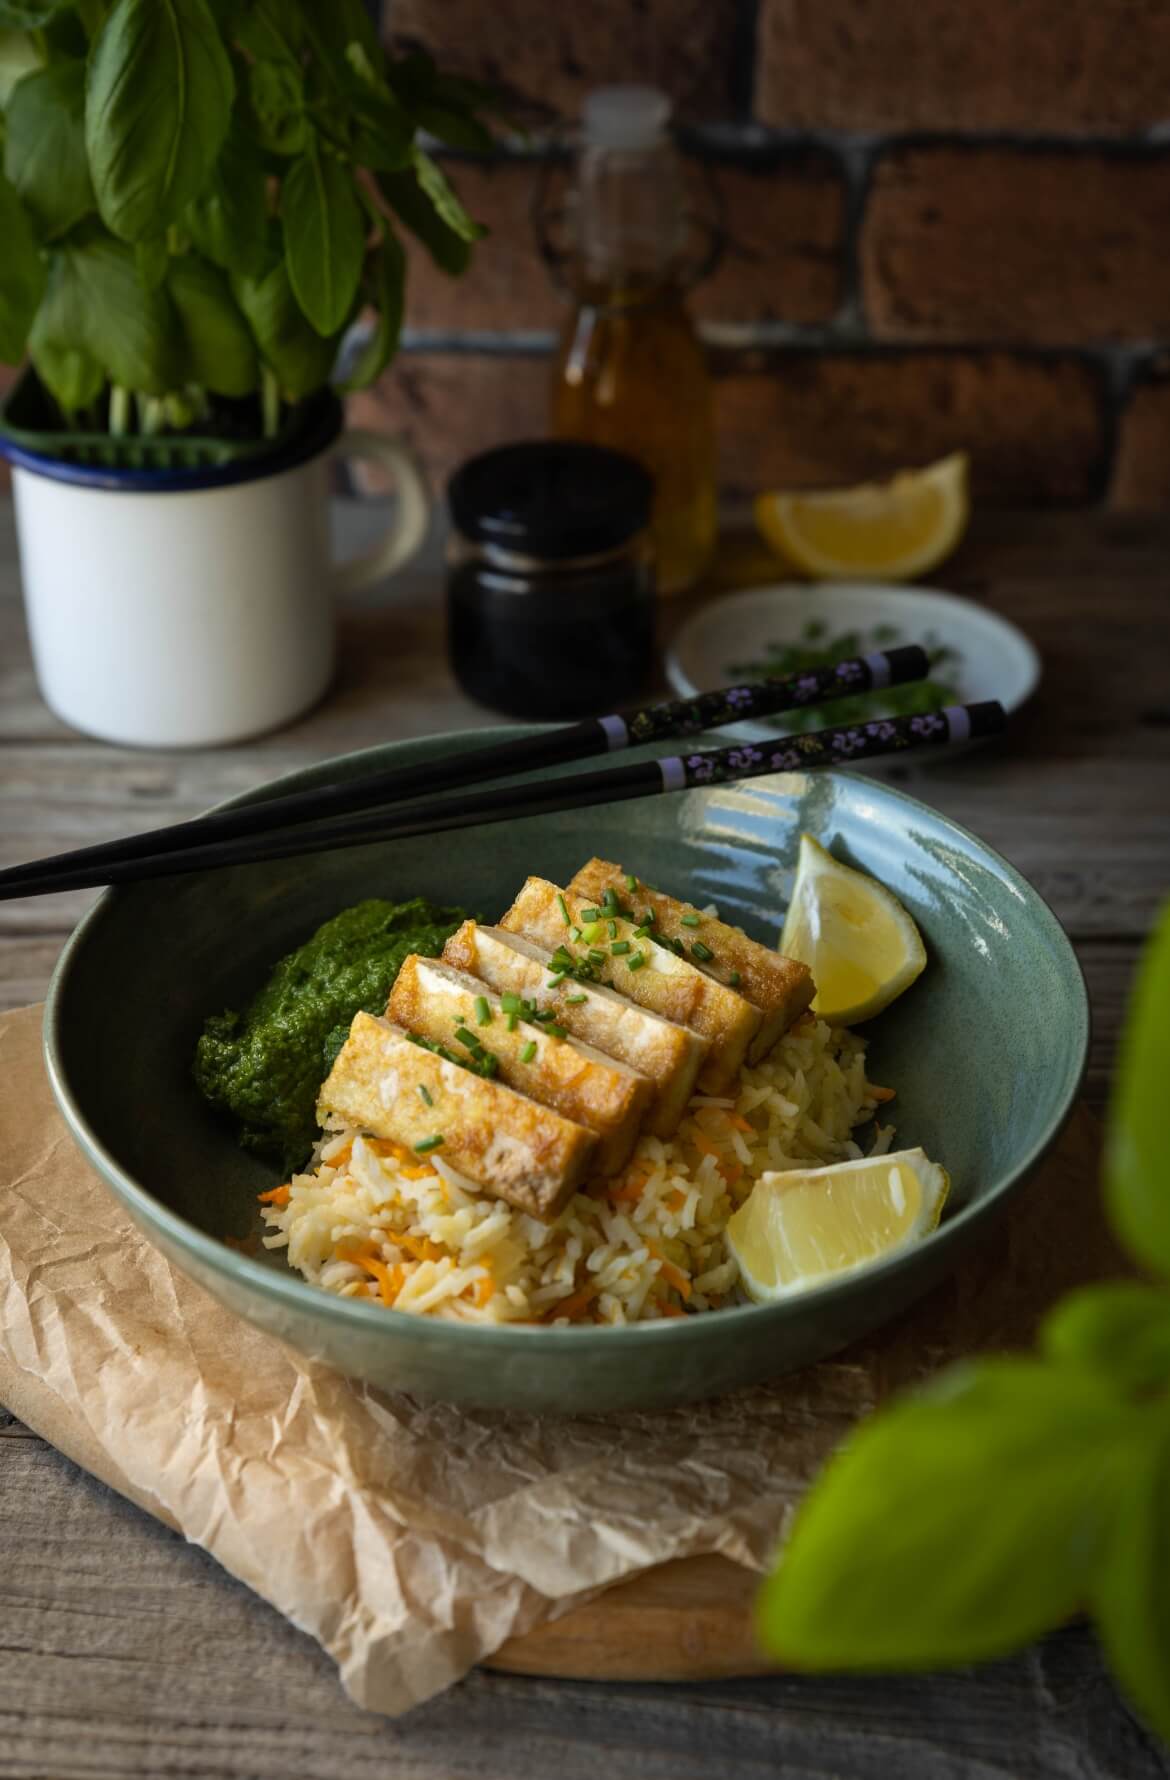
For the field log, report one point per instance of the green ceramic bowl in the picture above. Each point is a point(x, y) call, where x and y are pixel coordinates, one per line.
point(986, 1051)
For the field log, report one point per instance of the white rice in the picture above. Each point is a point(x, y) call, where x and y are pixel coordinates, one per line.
point(373, 1220)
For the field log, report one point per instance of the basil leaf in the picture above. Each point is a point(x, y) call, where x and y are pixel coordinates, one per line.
point(272, 31)
point(980, 1508)
point(455, 128)
point(221, 353)
point(152, 259)
point(157, 111)
point(1137, 1178)
point(44, 155)
point(18, 58)
point(389, 297)
point(96, 304)
point(1131, 1601)
point(324, 237)
point(28, 15)
point(71, 376)
point(277, 92)
point(296, 353)
point(23, 282)
point(381, 133)
point(1121, 1329)
point(332, 28)
point(410, 204)
point(443, 197)
point(227, 221)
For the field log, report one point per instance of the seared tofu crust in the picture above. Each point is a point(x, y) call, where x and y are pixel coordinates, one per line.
point(780, 987)
point(665, 983)
point(510, 1146)
point(669, 1054)
point(438, 1001)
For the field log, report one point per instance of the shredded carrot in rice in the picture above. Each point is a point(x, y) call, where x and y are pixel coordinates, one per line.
point(386, 1146)
point(705, 1147)
point(880, 1094)
point(573, 1305)
point(483, 1291)
point(630, 1189)
point(275, 1196)
point(669, 1272)
point(419, 1173)
point(731, 1172)
point(667, 1309)
point(741, 1124)
point(676, 1199)
point(421, 1247)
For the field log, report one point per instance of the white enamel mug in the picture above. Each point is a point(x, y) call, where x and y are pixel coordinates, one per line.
point(189, 608)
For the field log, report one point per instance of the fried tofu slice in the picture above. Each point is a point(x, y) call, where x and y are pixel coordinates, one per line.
point(606, 1096)
point(780, 987)
point(669, 1054)
point(510, 1146)
point(650, 974)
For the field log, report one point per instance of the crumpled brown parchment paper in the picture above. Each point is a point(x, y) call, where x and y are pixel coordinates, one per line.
point(413, 1539)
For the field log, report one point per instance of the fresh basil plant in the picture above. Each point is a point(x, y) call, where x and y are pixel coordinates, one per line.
point(199, 196)
point(1013, 1492)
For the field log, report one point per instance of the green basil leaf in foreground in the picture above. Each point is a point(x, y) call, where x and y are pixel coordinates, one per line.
point(1131, 1602)
point(450, 251)
point(324, 237)
point(1121, 1329)
point(44, 154)
point(299, 358)
point(24, 275)
point(152, 260)
point(443, 196)
point(1137, 1182)
point(956, 1525)
point(277, 92)
point(73, 378)
point(28, 15)
point(97, 303)
point(227, 220)
point(221, 354)
point(18, 58)
point(389, 294)
point(157, 110)
point(272, 31)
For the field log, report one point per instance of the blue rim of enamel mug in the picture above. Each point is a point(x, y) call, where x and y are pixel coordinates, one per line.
point(320, 423)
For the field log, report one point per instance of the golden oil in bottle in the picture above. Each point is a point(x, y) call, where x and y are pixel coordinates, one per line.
point(631, 373)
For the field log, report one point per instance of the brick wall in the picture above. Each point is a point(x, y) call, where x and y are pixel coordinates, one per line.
point(947, 225)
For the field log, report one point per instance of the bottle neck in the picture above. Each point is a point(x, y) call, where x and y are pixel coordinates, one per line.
point(631, 221)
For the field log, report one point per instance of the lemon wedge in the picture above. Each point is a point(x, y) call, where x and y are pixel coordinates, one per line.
point(800, 1228)
point(859, 942)
point(884, 531)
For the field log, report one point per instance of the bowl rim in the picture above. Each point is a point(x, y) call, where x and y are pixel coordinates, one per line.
point(971, 611)
point(289, 1291)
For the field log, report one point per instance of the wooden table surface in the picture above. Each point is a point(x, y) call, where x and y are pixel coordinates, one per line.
point(125, 1652)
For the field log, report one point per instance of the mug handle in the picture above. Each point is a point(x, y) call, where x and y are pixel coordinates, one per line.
point(412, 516)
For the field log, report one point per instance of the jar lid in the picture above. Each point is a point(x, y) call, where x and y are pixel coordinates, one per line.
point(551, 498)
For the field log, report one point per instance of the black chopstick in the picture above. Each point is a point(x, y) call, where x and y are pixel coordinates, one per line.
point(543, 748)
point(844, 745)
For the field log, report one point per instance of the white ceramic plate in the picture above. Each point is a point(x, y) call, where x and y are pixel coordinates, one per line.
point(990, 659)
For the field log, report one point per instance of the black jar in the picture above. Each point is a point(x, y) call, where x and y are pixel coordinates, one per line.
point(550, 584)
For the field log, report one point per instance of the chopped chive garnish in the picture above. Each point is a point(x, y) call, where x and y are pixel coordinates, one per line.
point(649, 918)
point(575, 1000)
point(555, 1031)
point(428, 1143)
point(425, 1094)
point(489, 1063)
point(612, 926)
point(690, 920)
point(510, 1002)
point(637, 961)
point(679, 947)
point(467, 1038)
point(591, 914)
point(555, 982)
point(734, 979)
point(511, 1021)
point(591, 931)
point(597, 957)
point(529, 1051)
point(631, 882)
point(702, 952)
point(620, 947)
point(564, 908)
point(576, 933)
point(483, 1013)
point(609, 896)
point(642, 932)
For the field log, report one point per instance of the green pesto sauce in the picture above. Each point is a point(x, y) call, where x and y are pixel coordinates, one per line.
point(265, 1065)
